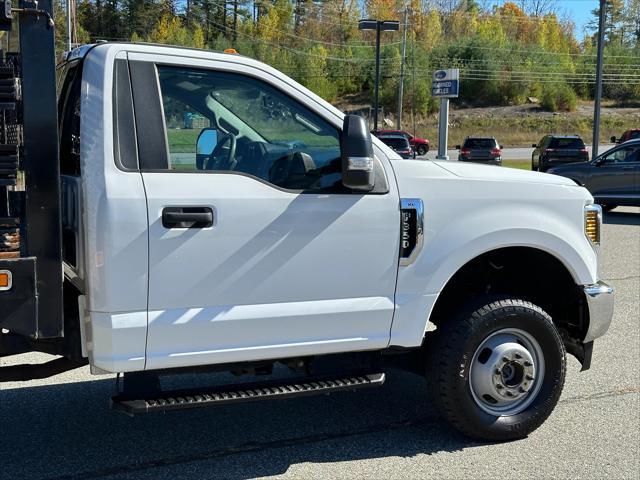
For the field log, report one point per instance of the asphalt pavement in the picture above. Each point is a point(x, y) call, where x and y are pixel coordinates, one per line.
point(62, 427)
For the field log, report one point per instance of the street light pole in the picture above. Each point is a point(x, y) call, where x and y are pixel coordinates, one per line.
point(378, 26)
point(377, 82)
point(596, 108)
point(69, 39)
point(403, 61)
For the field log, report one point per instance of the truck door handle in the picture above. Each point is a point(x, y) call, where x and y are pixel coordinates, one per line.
point(187, 217)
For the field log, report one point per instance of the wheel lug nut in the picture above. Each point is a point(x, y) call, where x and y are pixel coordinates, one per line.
point(497, 371)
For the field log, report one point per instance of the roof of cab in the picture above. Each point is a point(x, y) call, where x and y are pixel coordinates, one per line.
point(82, 50)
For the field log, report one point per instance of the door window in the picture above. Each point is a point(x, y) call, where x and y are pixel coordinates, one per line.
point(69, 118)
point(230, 123)
point(623, 155)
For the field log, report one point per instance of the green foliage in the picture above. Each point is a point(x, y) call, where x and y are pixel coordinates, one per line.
point(558, 97)
point(505, 53)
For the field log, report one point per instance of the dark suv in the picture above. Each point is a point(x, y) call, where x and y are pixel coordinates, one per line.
point(555, 150)
point(613, 178)
point(399, 144)
point(481, 150)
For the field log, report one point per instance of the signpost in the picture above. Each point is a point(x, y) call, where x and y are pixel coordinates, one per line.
point(445, 85)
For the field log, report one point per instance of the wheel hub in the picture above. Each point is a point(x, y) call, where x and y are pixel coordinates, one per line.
point(504, 370)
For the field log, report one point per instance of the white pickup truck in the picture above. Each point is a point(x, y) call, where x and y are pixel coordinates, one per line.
point(218, 215)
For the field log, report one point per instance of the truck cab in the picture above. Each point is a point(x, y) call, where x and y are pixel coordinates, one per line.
point(215, 214)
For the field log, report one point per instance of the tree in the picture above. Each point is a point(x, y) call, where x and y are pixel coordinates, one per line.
point(632, 23)
point(538, 8)
point(613, 17)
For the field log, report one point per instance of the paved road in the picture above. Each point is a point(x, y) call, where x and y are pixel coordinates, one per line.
point(62, 427)
point(509, 153)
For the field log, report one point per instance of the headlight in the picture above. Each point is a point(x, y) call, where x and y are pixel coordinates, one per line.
point(593, 222)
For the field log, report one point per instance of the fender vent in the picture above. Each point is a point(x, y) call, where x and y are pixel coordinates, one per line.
point(411, 229)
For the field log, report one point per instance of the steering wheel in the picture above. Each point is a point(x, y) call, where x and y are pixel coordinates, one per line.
point(215, 163)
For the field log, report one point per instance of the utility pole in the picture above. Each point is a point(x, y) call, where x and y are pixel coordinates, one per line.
point(596, 109)
point(402, 62)
point(378, 26)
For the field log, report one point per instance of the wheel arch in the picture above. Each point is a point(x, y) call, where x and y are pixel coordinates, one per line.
point(548, 283)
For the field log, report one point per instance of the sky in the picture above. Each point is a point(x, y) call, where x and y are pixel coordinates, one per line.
point(580, 13)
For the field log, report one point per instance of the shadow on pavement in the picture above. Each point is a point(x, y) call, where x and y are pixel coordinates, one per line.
point(68, 431)
point(621, 218)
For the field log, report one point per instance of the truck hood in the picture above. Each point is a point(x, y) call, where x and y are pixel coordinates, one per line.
point(493, 173)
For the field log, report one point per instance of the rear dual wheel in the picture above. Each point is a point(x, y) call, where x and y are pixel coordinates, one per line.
point(497, 370)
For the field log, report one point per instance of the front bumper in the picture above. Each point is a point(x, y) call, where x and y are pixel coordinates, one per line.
point(599, 298)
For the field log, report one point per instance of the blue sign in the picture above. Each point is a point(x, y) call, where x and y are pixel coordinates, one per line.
point(445, 83)
point(447, 88)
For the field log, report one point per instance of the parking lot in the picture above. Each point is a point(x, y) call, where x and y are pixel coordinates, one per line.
point(62, 427)
point(512, 153)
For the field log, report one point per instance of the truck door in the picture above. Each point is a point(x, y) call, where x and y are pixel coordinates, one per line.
point(256, 250)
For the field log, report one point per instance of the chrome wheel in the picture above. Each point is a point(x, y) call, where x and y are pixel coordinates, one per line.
point(506, 372)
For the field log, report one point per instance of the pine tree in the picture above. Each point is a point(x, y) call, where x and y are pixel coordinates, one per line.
point(613, 17)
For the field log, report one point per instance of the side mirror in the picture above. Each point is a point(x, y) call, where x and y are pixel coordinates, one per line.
point(534, 145)
point(457, 147)
point(598, 162)
point(356, 152)
point(206, 143)
point(613, 139)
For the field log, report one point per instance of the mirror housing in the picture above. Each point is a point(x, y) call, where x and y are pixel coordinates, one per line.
point(356, 152)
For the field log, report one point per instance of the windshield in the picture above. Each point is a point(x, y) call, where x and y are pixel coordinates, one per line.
point(634, 134)
point(569, 143)
point(479, 143)
point(396, 143)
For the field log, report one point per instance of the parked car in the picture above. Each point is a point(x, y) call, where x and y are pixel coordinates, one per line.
point(480, 150)
point(628, 135)
point(613, 178)
point(400, 144)
point(555, 150)
point(420, 145)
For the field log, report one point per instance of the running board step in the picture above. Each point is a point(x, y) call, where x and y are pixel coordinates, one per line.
point(248, 392)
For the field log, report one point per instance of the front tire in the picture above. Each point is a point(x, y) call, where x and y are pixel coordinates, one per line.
point(496, 371)
point(422, 149)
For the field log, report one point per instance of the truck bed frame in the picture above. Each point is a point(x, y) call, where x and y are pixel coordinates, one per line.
point(31, 309)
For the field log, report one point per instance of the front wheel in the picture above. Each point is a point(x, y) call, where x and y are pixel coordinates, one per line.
point(497, 371)
point(423, 149)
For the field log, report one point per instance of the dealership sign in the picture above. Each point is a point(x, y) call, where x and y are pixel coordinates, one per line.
point(445, 83)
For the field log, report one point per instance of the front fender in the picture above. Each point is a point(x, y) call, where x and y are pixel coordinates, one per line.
point(457, 234)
